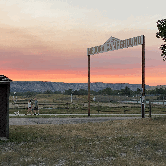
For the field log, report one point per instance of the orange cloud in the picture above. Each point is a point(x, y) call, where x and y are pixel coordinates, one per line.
point(58, 55)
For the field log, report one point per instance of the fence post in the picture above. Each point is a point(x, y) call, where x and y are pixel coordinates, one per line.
point(143, 110)
point(88, 85)
point(150, 109)
point(143, 78)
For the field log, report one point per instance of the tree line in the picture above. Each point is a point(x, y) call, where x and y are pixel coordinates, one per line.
point(107, 91)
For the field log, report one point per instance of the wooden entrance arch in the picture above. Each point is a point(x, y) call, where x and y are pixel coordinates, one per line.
point(114, 44)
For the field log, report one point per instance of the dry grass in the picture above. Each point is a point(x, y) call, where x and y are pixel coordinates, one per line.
point(77, 109)
point(122, 142)
point(80, 105)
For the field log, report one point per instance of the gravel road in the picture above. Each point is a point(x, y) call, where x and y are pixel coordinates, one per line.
point(35, 121)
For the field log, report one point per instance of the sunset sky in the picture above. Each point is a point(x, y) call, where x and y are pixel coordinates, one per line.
point(47, 40)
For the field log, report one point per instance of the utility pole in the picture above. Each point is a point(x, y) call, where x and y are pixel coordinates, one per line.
point(88, 85)
point(143, 79)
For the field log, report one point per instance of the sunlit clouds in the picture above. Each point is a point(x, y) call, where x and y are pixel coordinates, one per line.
point(48, 40)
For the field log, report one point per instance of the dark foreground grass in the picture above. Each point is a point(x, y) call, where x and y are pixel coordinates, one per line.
point(121, 142)
point(73, 116)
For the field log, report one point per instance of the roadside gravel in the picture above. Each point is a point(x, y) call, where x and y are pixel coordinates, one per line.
point(35, 121)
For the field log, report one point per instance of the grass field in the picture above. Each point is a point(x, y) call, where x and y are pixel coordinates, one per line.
point(119, 143)
point(61, 104)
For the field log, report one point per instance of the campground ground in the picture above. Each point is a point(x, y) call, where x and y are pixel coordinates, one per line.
point(134, 141)
point(113, 142)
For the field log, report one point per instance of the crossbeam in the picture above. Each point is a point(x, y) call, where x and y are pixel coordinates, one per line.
point(114, 44)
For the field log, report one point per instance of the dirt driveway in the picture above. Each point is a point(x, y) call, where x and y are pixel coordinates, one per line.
point(35, 121)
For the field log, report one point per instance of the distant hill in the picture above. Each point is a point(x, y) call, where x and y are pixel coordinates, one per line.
point(40, 86)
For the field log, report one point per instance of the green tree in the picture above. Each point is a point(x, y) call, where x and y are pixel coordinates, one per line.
point(57, 92)
point(48, 92)
point(160, 91)
point(75, 92)
point(99, 92)
point(30, 94)
point(126, 91)
point(107, 91)
point(161, 25)
point(68, 92)
point(117, 92)
point(82, 92)
point(138, 91)
point(93, 92)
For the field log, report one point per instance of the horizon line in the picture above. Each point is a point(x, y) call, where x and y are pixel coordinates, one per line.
point(85, 82)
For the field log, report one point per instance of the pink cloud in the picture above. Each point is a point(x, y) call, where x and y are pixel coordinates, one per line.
point(49, 55)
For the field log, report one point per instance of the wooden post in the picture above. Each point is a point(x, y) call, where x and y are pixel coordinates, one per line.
point(88, 85)
point(97, 49)
point(150, 111)
point(143, 78)
point(71, 98)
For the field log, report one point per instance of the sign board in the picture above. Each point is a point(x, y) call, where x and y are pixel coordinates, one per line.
point(114, 44)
